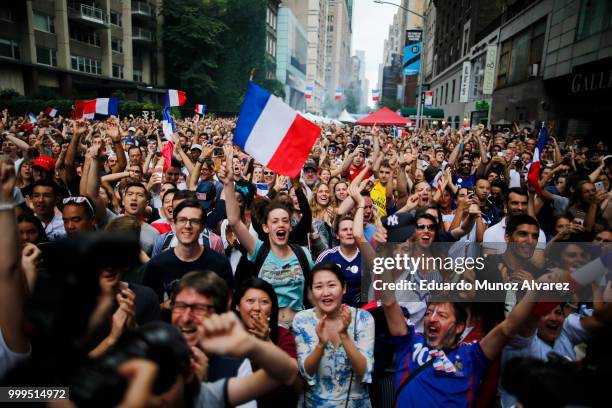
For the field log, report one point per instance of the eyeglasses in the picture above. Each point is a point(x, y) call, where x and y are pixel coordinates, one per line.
point(422, 227)
point(268, 173)
point(193, 221)
point(198, 309)
point(79, 200)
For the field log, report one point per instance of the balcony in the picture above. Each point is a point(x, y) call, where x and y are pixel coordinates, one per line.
point(89, 15)
point(142, 35)
point(142, 9)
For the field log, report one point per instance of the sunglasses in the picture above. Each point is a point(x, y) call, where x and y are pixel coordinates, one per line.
point(268, 173)
point(78, 200)
point(429, 227)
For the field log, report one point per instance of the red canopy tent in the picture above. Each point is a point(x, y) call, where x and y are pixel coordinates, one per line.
point(383, 117)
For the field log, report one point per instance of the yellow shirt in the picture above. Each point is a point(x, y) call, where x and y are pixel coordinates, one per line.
point(379, 197)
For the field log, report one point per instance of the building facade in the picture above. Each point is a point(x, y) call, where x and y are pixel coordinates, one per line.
point(82, 48)
point(291, 51)
point(338, 51)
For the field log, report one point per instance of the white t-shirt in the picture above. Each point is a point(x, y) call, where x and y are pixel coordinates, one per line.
point(8, 358)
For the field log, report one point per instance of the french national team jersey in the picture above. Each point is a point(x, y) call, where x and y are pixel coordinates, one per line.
point(451, 381)
point(351, 268)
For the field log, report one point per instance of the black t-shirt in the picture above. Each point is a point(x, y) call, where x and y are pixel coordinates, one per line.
point(166, 269)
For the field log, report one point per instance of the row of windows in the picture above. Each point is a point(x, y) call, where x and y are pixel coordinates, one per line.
point(117, 45)
point(84, 35)
point(271, 18)
point(86, 64)
point(46, 56)
point(441, 94)
point(271, 46)
point(9, 49)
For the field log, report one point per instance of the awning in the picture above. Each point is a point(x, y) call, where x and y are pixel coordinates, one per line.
point(428, 113)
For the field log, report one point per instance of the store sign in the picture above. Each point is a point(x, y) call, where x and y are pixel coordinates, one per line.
point(489, 74)
point(465, 82)
point(481, 105)
point(590, 82)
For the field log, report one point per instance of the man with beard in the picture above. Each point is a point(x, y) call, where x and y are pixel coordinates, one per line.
point(516, 202)
point(435, 368)
point(354, 164)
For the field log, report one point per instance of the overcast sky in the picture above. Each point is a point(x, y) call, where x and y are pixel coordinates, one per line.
point(370, 27)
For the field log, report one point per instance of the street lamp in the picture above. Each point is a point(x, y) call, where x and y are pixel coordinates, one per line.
point(420, 78)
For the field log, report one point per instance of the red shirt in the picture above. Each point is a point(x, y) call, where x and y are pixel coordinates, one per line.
point(161, 226)
point(354, 172)
point(286, 342)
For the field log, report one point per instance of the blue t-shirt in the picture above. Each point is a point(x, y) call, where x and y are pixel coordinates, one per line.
point(464, 181)
point(351, 269)
point(436, 387)
point(285, 275)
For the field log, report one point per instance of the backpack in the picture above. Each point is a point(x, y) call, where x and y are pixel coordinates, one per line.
point(263, 253)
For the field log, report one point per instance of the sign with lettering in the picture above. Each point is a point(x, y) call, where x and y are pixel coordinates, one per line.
point(489, 75)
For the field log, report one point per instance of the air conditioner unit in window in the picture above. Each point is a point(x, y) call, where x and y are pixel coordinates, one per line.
point(533, 70)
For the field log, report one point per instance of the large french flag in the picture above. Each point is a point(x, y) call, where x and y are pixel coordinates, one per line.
point(534, 170)
point(96, 107)
point(175, 98)
point(168, 126)
point(273, 133)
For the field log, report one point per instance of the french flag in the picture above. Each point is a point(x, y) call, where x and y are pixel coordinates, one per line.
point(168, 126)
point(200, 109)
point(51, 112)
point(175, 98)
point(96, 107)
point(308, 93)
point(273, 133)
point(339, 93)
point(375, 94)
point(466, 127)
point(533, 177)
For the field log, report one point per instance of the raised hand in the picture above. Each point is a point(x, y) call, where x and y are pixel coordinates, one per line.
point(345, 314)
point(261, 328)
point(321, 330)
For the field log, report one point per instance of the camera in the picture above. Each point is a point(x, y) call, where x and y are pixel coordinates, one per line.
point(97, 383)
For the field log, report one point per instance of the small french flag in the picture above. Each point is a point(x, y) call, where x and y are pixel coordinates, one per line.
point(375, 94)
point(533, 177)
point(32, 117)
point(175, 98)
point(51, 112)
point(339, 92)
point(438, 180)
point(99, 106)
point(273, 133)
point(200, 109)
point(308, 93)
point(168, 126)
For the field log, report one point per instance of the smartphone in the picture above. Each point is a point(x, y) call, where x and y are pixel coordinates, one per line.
point(217, 152)
point(580, 217)
point(599, 186)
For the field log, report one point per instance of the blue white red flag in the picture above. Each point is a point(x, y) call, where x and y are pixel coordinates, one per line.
point(175, 98)
point(308, 92)
point(534, 170)
point(273, 133)
point(375, 94)
point(32, 117)
point(339, 93)
point(99, 107)
point(168, 126)
point(200, 109)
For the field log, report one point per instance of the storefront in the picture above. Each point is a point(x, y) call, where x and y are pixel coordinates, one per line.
point(580, 102)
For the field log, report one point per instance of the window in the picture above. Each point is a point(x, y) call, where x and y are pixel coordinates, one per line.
point(466, 40)
point(446, 94)
point(118, 71)
point(6, 13)
point(84, 35)
point(9, 48)
point(46, 56)
point(117, 45)
point(453, 92)
point(594, 16)
point(137, 75)
point(86, 64)
point(519, 53)
point(115, 18)
point(43, 22)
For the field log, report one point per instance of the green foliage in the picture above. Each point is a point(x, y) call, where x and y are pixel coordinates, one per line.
point(191, 44)
point(211, 46)
point(390, 103)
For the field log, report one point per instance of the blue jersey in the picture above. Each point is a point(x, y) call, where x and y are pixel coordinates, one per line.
point(451, 381)
point(351, 268)
point(464, 181)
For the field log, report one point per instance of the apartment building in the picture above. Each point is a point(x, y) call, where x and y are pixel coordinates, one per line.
point(76, 49)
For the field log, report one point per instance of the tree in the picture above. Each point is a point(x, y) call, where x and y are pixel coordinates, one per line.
point(390, 103)
point(191, 40)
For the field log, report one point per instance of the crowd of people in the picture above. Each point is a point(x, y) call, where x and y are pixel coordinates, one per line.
point(203, 278)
